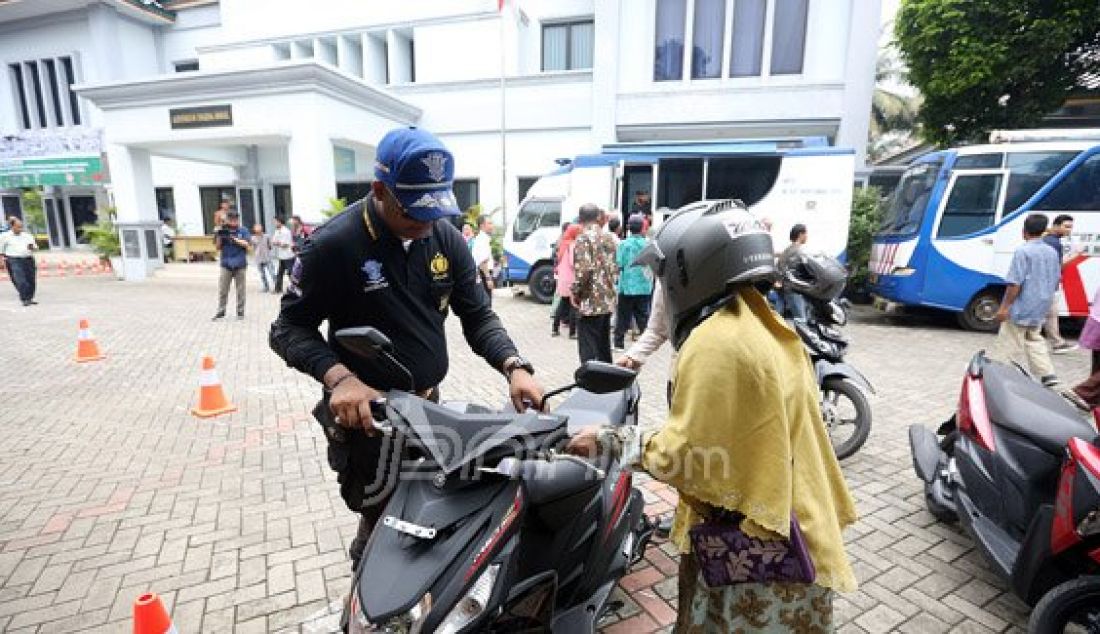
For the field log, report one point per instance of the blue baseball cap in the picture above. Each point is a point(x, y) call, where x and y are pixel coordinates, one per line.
point(419, 170)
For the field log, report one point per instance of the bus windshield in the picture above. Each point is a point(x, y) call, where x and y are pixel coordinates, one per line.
point(906, 206)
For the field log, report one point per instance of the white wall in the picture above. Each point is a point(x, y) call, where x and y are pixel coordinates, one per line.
point(457, 51)
point(193, 28)
point(254, 19)
point(528, 154)
point(532, 104)
point(185, 178)
point(139, 50)
point(64, 34)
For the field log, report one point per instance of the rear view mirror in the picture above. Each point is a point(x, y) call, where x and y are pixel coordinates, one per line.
point(603, 378)
point(366, 342)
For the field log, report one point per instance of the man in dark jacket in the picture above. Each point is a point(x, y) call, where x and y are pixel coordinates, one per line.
point(391, 261)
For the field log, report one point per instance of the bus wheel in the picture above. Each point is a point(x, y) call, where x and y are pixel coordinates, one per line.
point(981, 313)
point(541, 284)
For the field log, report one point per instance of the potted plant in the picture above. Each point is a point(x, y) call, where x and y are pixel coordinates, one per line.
point(103, 238)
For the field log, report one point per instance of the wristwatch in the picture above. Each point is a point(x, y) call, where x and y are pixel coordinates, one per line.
point(516, 362)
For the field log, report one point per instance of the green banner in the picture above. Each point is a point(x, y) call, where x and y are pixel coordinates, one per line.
point(77, 170)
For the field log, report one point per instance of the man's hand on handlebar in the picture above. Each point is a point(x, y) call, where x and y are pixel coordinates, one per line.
point(351, 400)
point(524, 390)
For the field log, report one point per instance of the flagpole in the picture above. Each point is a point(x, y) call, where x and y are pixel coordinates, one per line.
point(503, 148)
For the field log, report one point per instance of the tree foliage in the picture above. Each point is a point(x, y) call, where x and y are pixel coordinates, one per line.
point(866, 212)
point(994, 64)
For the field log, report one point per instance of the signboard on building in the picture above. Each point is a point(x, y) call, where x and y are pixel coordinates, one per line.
point(201, 117)
point(73, 170)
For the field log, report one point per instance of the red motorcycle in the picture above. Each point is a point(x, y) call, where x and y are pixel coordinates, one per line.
point(1019, 468)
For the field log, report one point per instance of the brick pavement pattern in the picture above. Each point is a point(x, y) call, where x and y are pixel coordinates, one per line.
point(109, 488)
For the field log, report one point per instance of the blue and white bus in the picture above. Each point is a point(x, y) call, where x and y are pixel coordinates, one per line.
point(787, 181)
point(949, 231)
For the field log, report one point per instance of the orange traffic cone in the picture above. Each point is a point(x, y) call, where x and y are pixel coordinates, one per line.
point(212, 401)
point(86, 348)
point(150, 617)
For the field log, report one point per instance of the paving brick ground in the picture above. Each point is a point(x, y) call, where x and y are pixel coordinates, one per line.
point(109, 488)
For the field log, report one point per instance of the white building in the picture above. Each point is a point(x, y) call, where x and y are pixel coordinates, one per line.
point(165, 107)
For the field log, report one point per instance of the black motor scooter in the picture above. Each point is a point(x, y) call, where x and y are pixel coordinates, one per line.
point(487, 527)
point(844, 405)
point(1020, 468)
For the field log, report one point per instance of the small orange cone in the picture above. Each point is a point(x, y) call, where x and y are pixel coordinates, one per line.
point(212, 401)
point(150, 617)
point(86, 347)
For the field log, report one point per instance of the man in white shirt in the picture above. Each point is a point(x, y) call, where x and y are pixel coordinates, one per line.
point(17, 247)
point(482, 250)
point(282, 242)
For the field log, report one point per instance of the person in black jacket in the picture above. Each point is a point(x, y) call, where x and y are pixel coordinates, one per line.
point(391, 261)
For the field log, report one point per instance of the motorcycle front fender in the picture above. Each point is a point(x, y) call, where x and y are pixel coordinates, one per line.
point(825, 369)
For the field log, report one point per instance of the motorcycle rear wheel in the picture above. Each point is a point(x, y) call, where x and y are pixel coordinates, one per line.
point(1073, 606)
point(849, 423)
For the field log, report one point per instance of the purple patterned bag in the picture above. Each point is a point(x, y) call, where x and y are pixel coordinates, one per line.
point(726, 555)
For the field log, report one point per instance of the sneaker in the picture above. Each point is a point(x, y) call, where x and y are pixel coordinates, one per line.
point(572, 335)
point(31, 302)
point(1062, 348)
point(1050, 381)
point(555, 333)
point(240, 316)
point(217, 317)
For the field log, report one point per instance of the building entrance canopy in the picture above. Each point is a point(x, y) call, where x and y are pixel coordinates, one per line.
point(290, 122)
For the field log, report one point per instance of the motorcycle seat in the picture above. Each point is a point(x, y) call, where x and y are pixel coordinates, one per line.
point(587, 408)
point(1023, 406)
point(550, 481)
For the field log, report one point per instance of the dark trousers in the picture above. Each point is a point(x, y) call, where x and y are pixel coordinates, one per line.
point(634, 307)
point(284, 267)
point(1089, 389)
point(594, 338)
point(565, 313)
point(23, 272)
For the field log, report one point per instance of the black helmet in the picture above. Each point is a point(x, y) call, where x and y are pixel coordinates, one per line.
point(818, 276)
point(701, 253)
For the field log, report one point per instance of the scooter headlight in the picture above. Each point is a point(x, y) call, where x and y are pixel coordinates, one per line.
point(472, 605)
point(408, 623)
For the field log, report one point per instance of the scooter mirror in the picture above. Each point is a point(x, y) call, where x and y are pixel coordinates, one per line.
point(370, 344)
point(365, 342)
point(603, 378)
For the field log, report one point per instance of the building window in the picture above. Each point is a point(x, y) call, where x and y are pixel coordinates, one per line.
point(466, 192)
point(166, 203)
point(525, 183)
point(708, 34)
point(668, 61)
point(187, 66)
point(21, 94)
point(70, 79)
point(567, 46)
point(704, 23)
point(31, 69)
point(42, 88)
point(747, 48)
point(789, 36)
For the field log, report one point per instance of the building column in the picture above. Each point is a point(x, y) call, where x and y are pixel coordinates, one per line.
point(312, 174)
point(136, 210)
point(605, 71)
point(859, 83)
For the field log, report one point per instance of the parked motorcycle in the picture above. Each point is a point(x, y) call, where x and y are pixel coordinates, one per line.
point(489, 528)
point(1019, 467)
point(844, 404)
